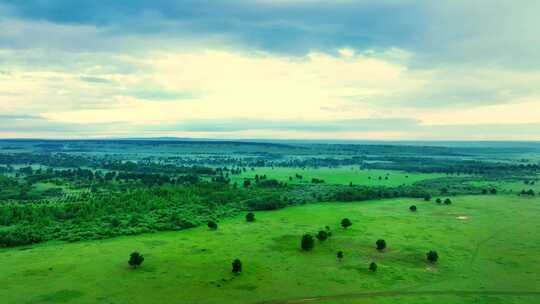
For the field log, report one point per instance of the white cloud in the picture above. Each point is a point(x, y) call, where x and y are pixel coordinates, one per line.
point(250, 85)
point(46, 71)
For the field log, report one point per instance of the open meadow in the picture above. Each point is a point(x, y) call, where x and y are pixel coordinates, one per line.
point(339, 175)
point(488, 248)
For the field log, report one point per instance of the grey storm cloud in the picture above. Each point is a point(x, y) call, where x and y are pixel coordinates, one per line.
point(464, 32)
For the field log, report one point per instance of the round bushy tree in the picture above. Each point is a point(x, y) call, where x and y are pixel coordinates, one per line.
point(447, 201)
point(438, 201)
point(237, 266)
point(432, 256)
point(307, 242)
point(135, 259)
point(212, 225)
point(346, 223)
point(373, 267)
point(322, 235)
point(339, 255)
point(381, 244)
point(250, 217)
point(412, 208)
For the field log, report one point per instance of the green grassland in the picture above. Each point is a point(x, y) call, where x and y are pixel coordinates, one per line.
point(488, 248)
point(509, 186)
point(340, 175)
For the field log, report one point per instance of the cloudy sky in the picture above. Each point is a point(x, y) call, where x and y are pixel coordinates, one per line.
point(307, 69)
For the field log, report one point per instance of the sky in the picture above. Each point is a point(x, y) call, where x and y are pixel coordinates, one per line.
point(270, 69)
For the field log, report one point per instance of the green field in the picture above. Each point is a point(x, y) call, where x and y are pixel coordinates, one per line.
point(488, 247)
point(340, 175)
point(509, 186)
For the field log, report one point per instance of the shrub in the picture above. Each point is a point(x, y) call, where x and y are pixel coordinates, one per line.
point(432, 256)
point(250, 217)
point(447, 201)
point(322, 235)
point(373, 267)
point(381, 244)
point(237, 266)
point(269, 183)
point(270, 202)
point(438, 201)
point(135, 259)
point(307, 242)
point(115, 222)
point(412, 208)
point(339, 255)
point(346, 223)
point(212, 225)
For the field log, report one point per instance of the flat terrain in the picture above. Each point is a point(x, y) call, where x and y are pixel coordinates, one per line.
point(488, 248)
point(340, 175)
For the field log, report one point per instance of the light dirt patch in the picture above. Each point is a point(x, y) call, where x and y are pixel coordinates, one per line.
point(431, 269)
point(463, 217)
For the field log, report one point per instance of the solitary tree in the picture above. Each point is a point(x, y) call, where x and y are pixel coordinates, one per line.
point(373, 267)
point(135, 259)
point(250, 217)
point(412, 208)
point(307, 242)
point(212, 225)
point(381, 244)
point(339, 255)
point(237, 266)
point(432, 256)
point(346, 223)
point(322, 235)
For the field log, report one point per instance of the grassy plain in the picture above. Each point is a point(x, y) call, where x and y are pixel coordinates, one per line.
point(340, 175)
point(488, 247)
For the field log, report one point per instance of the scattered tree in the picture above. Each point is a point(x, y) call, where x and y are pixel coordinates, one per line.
point(322, 235)
point(412, 208)
point(438, 201)
point(381, 244)
point(373, 267)
point(237, 266)
point(346, 223)
point(340, 255)
point(250, 217)
point(135, 259)
point(447, 201)
point(212, 225)
point(432, 256)
point(307, 242)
